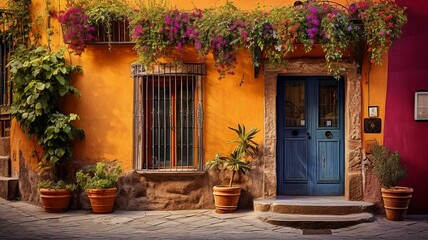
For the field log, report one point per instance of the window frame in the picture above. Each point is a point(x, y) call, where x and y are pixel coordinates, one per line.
point(164, 74)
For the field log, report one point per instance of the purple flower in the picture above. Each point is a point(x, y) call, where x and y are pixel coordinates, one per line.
point(138, 31)
point(167, 20)
point(352, 9)
point(312, 32)
point(314, 22)
point(313, 10)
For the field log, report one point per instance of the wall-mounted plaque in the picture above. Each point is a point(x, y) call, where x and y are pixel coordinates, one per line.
point(372, 125)
point(421, 106)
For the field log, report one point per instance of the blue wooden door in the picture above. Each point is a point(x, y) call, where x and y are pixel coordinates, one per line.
point(310, 147)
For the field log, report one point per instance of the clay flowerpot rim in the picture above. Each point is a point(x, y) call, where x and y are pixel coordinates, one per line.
point(397, 189)
point(54, 190)
point(100, 189)
point(226, 186)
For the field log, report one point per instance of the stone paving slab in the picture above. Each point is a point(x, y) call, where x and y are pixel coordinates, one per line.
point(21, 220)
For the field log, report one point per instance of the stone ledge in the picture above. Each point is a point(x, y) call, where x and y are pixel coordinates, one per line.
point(315, 221)
point(312, 205)
point(9, 188)
point(170, 173)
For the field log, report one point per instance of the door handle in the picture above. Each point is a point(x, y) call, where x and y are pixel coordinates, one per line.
point(309, 136)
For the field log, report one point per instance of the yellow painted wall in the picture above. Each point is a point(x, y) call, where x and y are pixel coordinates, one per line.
point(106, 102)
point(374, 83)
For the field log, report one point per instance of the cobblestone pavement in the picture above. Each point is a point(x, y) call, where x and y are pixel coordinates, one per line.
point(21, 220)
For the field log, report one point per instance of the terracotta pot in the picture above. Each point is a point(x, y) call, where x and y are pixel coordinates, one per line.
point(396, 201)
point(102, 200)
point(226, 198)
point(55, 200)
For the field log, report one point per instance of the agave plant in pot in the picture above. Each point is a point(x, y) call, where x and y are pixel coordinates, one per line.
point(226, 197)
point(100, 183)
point(389, 170)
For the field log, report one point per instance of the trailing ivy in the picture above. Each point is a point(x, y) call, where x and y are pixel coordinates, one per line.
point(18, 21)
point(41, 77)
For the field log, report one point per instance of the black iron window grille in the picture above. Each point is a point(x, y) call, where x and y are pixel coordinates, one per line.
point(6, 45)
point(116, 33)
point(168, 117)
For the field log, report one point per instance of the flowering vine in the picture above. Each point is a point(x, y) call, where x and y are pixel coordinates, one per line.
point(383, 22)
point(156, 30)
point(223, 31)
point(76, 28)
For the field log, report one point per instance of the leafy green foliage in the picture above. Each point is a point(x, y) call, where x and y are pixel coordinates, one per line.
point(40, 79)
point(19, 23)
point(58, 135)
point(224, 30)
point(104, 12)
point(81, 17)
point(146, 30)
point(61, 184)
point(238, 160)
point(100, 176)
point(383, 22)
point(387, 166)
point(337, 38)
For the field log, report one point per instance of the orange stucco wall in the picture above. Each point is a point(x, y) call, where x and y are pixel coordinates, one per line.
point(106, 102)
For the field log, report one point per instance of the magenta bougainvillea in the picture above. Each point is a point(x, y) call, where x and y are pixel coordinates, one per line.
point(157, 31)
point(77, 31)
point(179, 27)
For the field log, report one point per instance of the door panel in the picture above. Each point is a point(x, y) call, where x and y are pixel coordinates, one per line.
point(310, 136)
point(328, 162)
point(295, 167)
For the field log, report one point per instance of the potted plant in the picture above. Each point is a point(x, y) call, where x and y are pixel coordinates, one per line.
point(55, 195)
point(40, 78)
point(389, 170)
point(100, 183)
point(226, 197)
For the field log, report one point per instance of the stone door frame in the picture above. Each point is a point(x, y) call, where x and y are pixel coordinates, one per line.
point(353, 179)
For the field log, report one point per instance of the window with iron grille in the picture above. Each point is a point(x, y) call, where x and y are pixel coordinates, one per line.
point(5, 82)
point(168, 117)
point(118, 33)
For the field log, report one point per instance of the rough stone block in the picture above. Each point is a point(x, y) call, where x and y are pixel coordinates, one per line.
point(5, 165)
point(5, 146)
point(9, 188)
point(355, 192)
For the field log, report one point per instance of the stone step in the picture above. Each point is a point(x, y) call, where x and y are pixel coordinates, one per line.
point(304, 221)
point(5, 166)
point(4, 146)
point(9, 188)
point(312, 205)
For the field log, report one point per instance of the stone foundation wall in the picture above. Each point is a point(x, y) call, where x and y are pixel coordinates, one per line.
point(156, 191)
point(28, 180)
point(178, 191)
